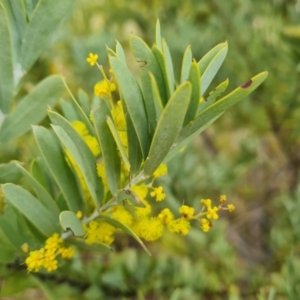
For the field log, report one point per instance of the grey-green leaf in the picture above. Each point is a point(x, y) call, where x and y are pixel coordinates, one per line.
point(9, 172)
point(156, 97)
point(212, 69)
point(45, 20)
point(186, 64)
point(31, 208)
point(194, 79)
point(79, 111)
point(117, 139)
point(208, 57)
point(143, 53)
point(158, 39)
point(56, 163)
point(168, 64)
point(168, 127)
point(6, 64)
point(82, 155)
point(120, 53)
point(32, 109)
point(134, 101)
point(134, 148)
point(111, 158)
point(68, 220)
point(213, 95)
point(220, 106)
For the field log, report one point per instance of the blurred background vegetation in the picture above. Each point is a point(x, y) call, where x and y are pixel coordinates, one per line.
point(251, 154)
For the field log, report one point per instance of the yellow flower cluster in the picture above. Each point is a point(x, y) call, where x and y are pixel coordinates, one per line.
point(47, 257)
point(98, 231)
point(120, 122)
point(104, 88)
point(92, 59)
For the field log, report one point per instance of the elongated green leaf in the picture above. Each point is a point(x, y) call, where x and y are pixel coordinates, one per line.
point(38, 173)
point(31, 208)
point(168, 127)
point(44, 21)
point(158, 39)
point(120, 53)
point(222, 105)
point(56, 163)
point(178, 147)
point(84, 102)
point(208, 57)
point(212, 69)
point(134, 147)
point(19, 12)
point(9, 173)
point(143, 53)
point(117, 139)
point(79, 112)
point(82, 156)
point(30, 6)
point(43, 194)
point(126, 229)
point(11, 234)
point(68, 220)
point(194, 79)
point(213, 96)
point(156, 97)
point(6, 63)
point(112, 163)
point(69, 111)
point(134, 101)
point(110, 52)
point(186, 64)
point(159, 56)
point(16, 39)
point(169, 68)
point(32, 108)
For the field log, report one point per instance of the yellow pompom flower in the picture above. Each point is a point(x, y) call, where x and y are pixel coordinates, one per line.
point(212, 213)
point(158, 193)
point(80, 127)
point(99, 232)
point(102, 174)
point(205, 225)
point(206, 202)
point(66, 252)
point(151, 229)
point(181, 226)
point(104, 88)
point(223, 198)
point(92, 59)
point(93, 144)
point(140, 191)
point(122, 215)
point(50, 265)
point(231, 207)
point(166, 216)
point(186, 211)
point(53, 242)
point(35, 260)
point(160, 171)
point(142, 212)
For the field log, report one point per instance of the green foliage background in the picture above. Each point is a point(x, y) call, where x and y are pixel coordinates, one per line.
point(251, 154)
